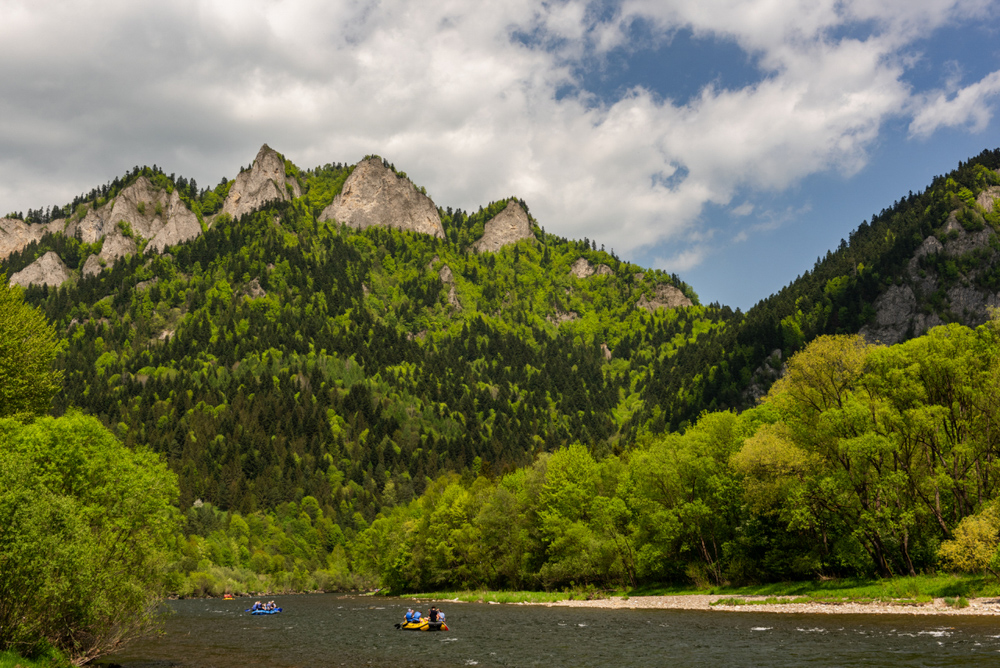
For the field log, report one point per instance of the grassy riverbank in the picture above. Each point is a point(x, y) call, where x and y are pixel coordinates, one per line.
point(52, 660)
point(916, 589)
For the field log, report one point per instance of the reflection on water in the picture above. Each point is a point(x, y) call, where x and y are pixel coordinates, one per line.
point(333, 630)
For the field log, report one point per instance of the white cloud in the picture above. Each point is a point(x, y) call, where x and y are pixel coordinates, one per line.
point(466, 97)
point(682, 261)
point(968, 106)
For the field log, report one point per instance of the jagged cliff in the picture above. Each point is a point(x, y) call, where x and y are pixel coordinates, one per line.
point(49, 270)
point(140, 212)
point(265, 181)
point(375, 195)
point(15, 234)
point(943, 281)
point(508, 227)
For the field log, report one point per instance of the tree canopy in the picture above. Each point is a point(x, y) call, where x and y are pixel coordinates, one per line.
point(28, 345)
point(84, 524)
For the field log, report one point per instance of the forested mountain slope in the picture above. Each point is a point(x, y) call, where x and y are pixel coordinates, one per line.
point(281, 354)
point(931, 258)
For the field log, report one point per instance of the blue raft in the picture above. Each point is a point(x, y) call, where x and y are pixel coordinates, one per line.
point(264, 612)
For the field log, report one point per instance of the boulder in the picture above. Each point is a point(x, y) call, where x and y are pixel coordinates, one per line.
point(46, 270)
point(507, 227)
point(265, 181)
point(374, 195)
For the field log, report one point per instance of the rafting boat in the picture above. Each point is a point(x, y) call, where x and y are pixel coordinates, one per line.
point(422, 625)
point(264, 612)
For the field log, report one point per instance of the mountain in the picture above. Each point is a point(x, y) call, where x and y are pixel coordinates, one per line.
point(332, 332)
point(283, 352)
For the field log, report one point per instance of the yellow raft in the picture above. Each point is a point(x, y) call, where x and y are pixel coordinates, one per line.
point(422, 625)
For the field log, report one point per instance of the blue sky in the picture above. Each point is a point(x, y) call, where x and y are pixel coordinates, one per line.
point(729, 141)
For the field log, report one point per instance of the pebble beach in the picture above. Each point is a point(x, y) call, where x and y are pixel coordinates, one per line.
point(977, 606)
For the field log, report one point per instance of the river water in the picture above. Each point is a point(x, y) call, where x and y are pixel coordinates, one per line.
point(336, 630)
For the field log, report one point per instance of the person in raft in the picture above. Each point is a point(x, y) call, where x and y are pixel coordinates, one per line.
point(433, 614)
point(408, 617)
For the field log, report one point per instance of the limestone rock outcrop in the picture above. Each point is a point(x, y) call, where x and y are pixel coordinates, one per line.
point(253, 290)
point(46, 270)
point(987, 198)
point(91, 227)
point(666, 296)
point(448, 278)
point(149, 212)
point(15, 234)
point(374, 195)
point(264, 182)
point(584, 269)
point(91, 266)
point(507, 227)
point(899, 314)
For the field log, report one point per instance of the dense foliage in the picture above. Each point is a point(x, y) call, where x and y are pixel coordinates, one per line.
point(28, 346)
point(862, 460)
point(85, 522)
point(347, 407)
point(277, 357)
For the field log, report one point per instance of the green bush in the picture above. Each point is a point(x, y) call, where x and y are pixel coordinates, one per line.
point(85, 525)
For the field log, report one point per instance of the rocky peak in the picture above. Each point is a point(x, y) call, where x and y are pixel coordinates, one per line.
point(147, 212)
point(265, 181)
point(46, 270)
point(374, 195)
point(666, 296)
point(507, 227)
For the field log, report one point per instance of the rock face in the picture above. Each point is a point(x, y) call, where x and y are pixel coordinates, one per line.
point(46, 270)
point(898, 311)
point(667, 296)
point(149, 212)
point(448, 278)
point(264, 182)
point(92, 266)
point(374, 195)
point(253, 290)
point(988, 197)
point(583, 269)
point(16, 234)
point(507, 227)
point(559, 317)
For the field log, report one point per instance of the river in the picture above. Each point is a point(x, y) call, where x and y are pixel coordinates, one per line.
point(337, 630)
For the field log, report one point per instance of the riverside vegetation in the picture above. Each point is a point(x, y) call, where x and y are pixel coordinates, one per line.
point(348, 408)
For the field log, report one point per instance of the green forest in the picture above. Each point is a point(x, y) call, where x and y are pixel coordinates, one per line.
point(350, 408)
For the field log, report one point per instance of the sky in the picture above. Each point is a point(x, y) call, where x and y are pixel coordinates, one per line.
point(731, 142)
